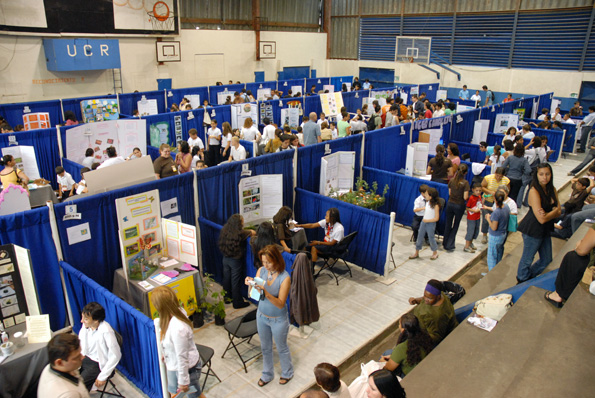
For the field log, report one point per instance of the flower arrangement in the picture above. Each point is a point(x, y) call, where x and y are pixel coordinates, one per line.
point(363, 196)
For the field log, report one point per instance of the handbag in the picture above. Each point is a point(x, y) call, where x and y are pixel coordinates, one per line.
point(513, 223)
point(494, 307)
point(358, 387)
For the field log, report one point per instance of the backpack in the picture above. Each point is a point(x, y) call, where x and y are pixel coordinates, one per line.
point(372, 123)
point(493, 96)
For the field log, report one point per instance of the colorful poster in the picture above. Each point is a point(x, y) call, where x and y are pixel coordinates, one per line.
point(98, 110)
point(331, 103)
point(266, 110)
point(260, 197)
point(180, 241)
point(34, 121)
point(241, 112)
point(185, 292)
point(159, 133)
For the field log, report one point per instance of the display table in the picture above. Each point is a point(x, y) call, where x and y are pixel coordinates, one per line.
point(138, 297)
point(20, 372)
point(42, 194)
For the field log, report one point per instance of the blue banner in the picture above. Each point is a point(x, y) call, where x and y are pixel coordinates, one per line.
point(64, 55)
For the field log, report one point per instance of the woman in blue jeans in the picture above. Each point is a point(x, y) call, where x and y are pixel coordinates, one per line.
point(272, 320)
point(428, 224)
point(538, 224)
point(498, 222)
point(458, 193)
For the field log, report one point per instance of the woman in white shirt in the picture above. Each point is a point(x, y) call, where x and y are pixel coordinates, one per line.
point(250, 132)
point(226, 141)
point(496, 160)
point(329, 379)
point(333, 232)
point(181, 357)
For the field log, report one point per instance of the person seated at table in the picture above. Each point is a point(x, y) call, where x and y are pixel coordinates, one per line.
point(333, 233)
point(413, 345)
point(89, 158)
point(81, 187)
point(572, 269)
point(112, 158)
point(61, 377)
point(10, 174)
point(66, 184)
point(434, 311)
point(136, 154)
point(283, 229)
point(164, 165)
point(265, 236)
point(99, 346)
point(328, 378)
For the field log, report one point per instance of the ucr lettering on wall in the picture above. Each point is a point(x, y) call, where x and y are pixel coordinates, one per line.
point(64, 55)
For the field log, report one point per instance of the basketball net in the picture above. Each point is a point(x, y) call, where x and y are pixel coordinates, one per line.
point(161, 23)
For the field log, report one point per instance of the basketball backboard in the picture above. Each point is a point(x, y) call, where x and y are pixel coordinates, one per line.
point(268, 49)
point(168, 51)
point(147, 15)
point(413, 49)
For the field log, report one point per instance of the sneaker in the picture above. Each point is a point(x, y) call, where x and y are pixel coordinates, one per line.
point(469, 250)
point(472, 246)
point(484, 239)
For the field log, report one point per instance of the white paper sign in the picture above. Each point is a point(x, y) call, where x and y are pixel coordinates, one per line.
point(147, 107)
point(222, 97)
point(504, 121)
point(169, 206)
point(480, 131)
point(433, 140)
point(441, 95)
point(262, 94)
point(329, 87)
point(337, 172)
point(194, 100)
point(297, 89)
point(38, 329)
point(78, 233)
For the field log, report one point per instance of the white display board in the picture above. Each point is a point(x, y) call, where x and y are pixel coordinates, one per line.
point(131, 172)
point(260, 197)
point(241, 112)
point(33, 121)
point(147, 107)
point(414, 90)
point(123, 134)
point(263, 93)
point(480, 131)
point(14, 199)
point(25, 159)
point(139, 227)
point(432, 137)
point(417, 159)
point(194, 100)
point(222, 96)
point(329, 87)
point(331, 103)
point(297, 89)
point(504, 121)
point(405, 98)
point(336, 172)
point(555, 104)
point(463, 108)
point(370, 102)
point(291, 117)
point(180, 241)
point(441, 95)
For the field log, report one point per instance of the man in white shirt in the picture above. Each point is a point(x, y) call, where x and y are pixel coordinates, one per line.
point(268, 133)
point(321, 120)
point(567, 119)
point(238, 152)
point(61, 378)
point(586, 127)
point(194, 140)
point(112, 158)
point(66, 184)
point(99, 346)
point(544, 113)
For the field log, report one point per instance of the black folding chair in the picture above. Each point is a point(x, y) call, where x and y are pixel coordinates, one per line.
point(243, 328)
point(337, 252)
point(206, 353)
point(109, 379)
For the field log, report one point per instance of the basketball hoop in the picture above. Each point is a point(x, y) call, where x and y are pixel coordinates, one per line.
point(160, 17)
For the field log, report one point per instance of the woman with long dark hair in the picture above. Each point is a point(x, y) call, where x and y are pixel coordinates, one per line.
point(413, 345)
point(265, 236)
point(434, 311)
point(184, 157)
point(438, 166)
point(452, 152)
point(281, 221)
point(458, 193)
point(384, 384)
point(498, 222)
point(232, 243)
point(538, 223)
point(11, 174)
point(333, 232)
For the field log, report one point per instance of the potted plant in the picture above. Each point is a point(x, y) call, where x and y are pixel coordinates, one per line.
point(362, 196)
point(214, 300)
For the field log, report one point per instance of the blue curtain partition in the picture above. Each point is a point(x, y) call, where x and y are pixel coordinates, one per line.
point(338, 81)
point(430, 90)
point(312, 104)
point(32, 230)
point(128, 102)
point(74, 104)
point(285, 86)
point(175, 96)
point(13, 113)
point(320, 82)
point(212, 259)
point(462, 102)
point(570, 137)
point(545, 101)
point(368, 250)
point(353, 100)
point(309, 159)
point(222, 182)
point(139, 362)
point(231, 88)
point(153, 152)
point(377, 142)
point(402, 192)
point(72, 168)
point(472, 150)
point(249, 147)
point(100, 256)
point(463, 131)
point(45, 144)
point(255, 86)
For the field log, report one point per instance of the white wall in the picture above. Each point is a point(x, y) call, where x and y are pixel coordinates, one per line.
point(207, 56)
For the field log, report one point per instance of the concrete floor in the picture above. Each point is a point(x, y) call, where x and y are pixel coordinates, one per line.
point(358, 317)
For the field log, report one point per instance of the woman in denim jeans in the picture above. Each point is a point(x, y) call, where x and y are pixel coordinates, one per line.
point(272, 319)
point(538, 224)
point(428, 224)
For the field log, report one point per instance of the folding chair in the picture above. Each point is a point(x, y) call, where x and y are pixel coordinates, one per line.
point(206, 353)
point(243, 328)
point(109, 379)
point(336, 253)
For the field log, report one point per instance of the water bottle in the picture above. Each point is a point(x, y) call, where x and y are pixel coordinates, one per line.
point(4, 336)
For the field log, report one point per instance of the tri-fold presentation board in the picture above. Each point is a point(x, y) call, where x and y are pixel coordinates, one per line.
point(331, 103)
point(504, 121)
point(260, 197)
point(124, 135)
point(336, 172)
point(179, 240)
point(241, 112)
point(147, 107)
point(25, 159)
point(432, 137)
point(18, 295)
point(291, 117)
point(98, 110)
point(417, 159)
point(33, 121)
point(480, 131)
point(131, 172)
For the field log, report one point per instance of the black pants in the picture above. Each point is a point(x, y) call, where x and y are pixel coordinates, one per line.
point(415, 226)
point(570, 274)
point(454, 214)
point(214, 155)
point(515, 188)
point(89, 372)
point(233, 279)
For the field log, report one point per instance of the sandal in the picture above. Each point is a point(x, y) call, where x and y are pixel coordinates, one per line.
point(413, 256)
point(434, 257)
point(284, 380)
point(557, 304)
point(262, 383)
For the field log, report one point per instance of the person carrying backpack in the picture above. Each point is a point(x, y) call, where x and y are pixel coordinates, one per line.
point(490, 97)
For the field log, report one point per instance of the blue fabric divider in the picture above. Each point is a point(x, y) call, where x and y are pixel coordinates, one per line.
point(315, 81)
point(74, 104)
point(472, 150)
point(100, 256)
point(554, 140)
point(13, 113)
point(32, 230)
point(153, 152)
point(545, 281)
point(527, 105)
point(377, 142)
point(430, 90)
point(178, 94)
point(312, 104)
point(545, 101)
point(249, 147)
point(140, 359)
point(461, 102)
point(285, 85)
point(212, 259)
point(509, 107)
point(232, 88)
point(73, 168)
point(128, 102)
point(338, 81)
point(570, 133)
point(309, 159)
point(406, 89)
point(489, 113)
point(402, 193)
point(222, 182)
point(353, 100)
point(255, 86)
point(368, 250)
point(45, 144)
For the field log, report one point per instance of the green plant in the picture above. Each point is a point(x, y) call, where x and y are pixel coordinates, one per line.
point(212, 300)
point(363, 196)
